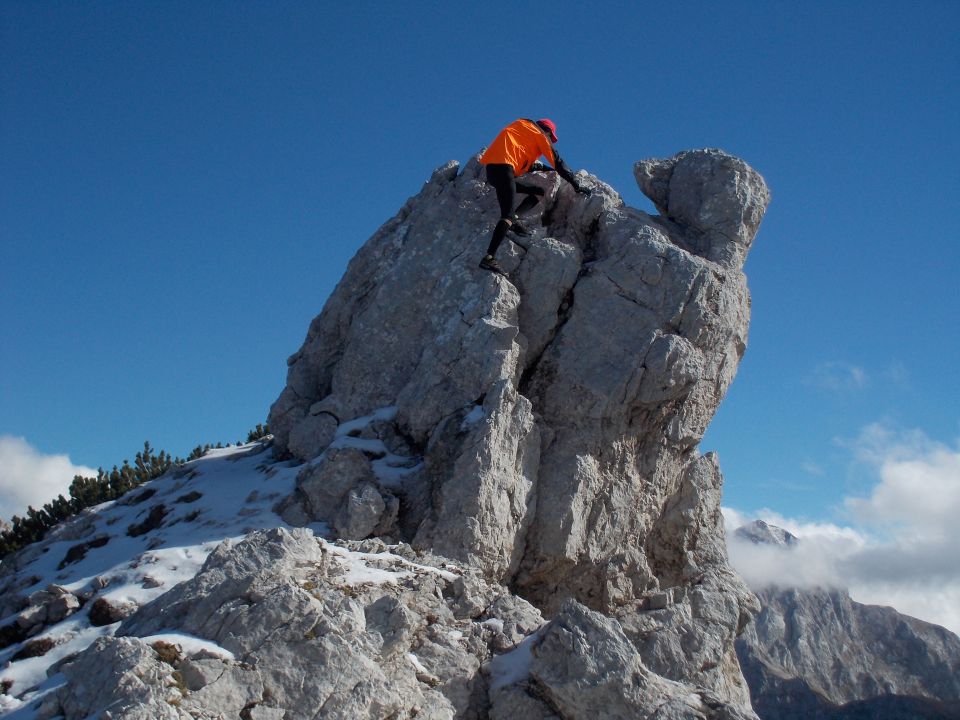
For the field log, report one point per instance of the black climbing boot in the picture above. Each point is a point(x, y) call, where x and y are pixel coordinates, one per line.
point(518, 227)
point(489, 263)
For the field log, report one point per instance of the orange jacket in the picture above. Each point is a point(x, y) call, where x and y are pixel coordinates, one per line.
point(519, 144)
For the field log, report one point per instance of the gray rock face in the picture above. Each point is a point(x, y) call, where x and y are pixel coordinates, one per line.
point(34, 613)
point(597, 368)
point(585, 666)
point(543, 430)
point(818, 651)
point(305, 629)
point(486, 450)
point(717, 199)
point(122, 674)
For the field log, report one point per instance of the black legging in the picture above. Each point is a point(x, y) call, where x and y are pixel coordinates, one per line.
point(501, 177)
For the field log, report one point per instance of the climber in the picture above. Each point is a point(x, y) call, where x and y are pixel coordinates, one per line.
point(512, 154)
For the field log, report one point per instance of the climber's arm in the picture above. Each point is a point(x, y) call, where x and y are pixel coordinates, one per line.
point(563, 170)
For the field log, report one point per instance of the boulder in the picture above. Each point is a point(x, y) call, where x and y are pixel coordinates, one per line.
point(106, 611)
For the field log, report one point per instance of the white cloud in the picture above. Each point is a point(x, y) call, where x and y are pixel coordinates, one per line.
point(814, 562)
point(28, 477)
point(837, 376)
point(918, 495)
point(901, 547)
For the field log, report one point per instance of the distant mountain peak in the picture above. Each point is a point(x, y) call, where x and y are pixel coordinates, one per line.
point(761, 533)
point(816, 652)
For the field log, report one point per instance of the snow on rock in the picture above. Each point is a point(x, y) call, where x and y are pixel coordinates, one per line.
point(311, 622)
point(512, 667)
point(234, 617)
point(354, 485)
point(189, 645)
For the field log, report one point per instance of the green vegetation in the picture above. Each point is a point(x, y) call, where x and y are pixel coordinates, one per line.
point(86, 491)
point(258, 433)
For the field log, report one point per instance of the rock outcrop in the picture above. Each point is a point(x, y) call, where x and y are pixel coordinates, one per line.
point(517, 519)
point(318, 630)
point(298, 628)
point(543, 431)
point(292, 627)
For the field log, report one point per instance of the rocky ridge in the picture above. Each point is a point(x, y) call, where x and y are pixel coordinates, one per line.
point(817, 653)
point(513, 514)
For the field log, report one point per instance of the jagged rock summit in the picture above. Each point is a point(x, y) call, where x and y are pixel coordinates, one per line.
point(543, 430)
point(516, 519)
point(551, 422)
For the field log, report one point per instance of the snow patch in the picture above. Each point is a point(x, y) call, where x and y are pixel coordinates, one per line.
point(26, 708)
point(221, 497)
point(189, 645)
point(384, 413)
point(391, 470)
point(514, 666)
point(373, 446)
point(496, 624)
point(72, 636)
point(361, 567)
point(475, 415)
point(417, 665)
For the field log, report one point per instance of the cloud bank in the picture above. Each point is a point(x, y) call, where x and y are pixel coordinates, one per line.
point(901, 547)
point(28, 477)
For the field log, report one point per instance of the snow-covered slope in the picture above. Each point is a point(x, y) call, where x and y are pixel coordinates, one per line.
point(67, 595)
point(113, 554)
point(147, 552)
point(225, 494)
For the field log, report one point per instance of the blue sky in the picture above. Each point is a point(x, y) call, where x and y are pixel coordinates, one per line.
point(182, 185)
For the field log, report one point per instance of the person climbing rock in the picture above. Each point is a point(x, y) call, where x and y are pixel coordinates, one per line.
point(512, 154)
